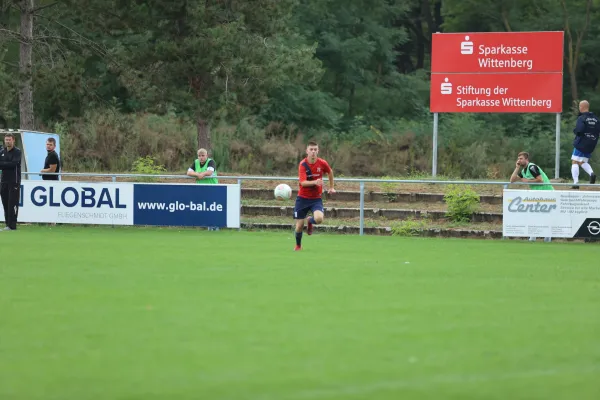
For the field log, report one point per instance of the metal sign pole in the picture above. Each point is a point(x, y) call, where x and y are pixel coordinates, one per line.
point(557, 160)
point(435, 144)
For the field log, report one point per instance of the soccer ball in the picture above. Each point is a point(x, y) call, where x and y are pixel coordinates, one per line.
point(283, 192)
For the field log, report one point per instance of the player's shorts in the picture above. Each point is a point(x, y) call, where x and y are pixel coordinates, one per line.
point(580, 156)
point(303, 206)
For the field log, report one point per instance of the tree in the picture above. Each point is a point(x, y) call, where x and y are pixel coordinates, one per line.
point(359, 45)
point(575, 30)
point(29, 42)
point(6, 96)
point(208, 59)
point(422, 18)
point(27, 121)
point(24, 37)
point(6, 79)
point(487, 15)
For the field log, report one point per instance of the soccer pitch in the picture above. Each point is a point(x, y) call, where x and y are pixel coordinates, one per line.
point(173, 314)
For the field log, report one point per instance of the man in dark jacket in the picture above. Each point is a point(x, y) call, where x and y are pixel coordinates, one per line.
point(10, 183)
point(587, 131)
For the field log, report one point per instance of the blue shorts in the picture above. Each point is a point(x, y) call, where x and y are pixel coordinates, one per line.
point(303, 206)
point(580, 156)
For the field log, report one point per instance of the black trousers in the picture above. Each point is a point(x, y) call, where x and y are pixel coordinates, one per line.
point(10, 193)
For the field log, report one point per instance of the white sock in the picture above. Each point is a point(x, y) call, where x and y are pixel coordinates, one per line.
point(575, 173)
point(587, 168)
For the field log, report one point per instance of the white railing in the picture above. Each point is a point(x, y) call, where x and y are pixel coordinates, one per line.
point(360, 181)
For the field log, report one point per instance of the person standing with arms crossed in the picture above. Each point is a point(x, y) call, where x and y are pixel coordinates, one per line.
point(587, 131)
point(310, 176)
point(10, 183)
point(204, 169)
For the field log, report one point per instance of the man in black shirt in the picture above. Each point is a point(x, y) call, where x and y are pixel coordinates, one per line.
point(52, 162)
point(10, 183)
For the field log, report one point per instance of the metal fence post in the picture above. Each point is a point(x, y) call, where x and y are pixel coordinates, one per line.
point(362, 208)
point(114, 179)
point(503, 237)
point(240, 183)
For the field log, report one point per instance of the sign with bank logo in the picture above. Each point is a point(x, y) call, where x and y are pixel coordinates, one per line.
point(499, 72)
point(551, 213)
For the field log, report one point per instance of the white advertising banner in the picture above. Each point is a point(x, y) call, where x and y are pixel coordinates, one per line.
point(147, 204)
point(76, 203)
point(551, 213)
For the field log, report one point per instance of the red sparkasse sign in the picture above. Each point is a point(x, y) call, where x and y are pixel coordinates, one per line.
point(496, 52)
point(496, 93)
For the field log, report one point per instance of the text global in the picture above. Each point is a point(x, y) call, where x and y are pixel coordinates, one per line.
point(85, 197)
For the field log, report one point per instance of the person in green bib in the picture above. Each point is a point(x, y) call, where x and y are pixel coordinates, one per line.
point(528, 172)
point(203, 169)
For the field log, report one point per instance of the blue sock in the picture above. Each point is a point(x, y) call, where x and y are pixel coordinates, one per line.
point(298, 238)
point(312, 220)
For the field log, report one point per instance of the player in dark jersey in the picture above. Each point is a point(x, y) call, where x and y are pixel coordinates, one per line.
point(310, 175)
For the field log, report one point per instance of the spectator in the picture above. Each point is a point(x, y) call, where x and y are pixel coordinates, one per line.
point(52, 162)
point(204, 170)
point(10, 183)
point(587, 131)
point(530, 173)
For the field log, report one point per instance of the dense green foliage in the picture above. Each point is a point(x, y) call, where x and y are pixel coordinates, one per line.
point(252, 80)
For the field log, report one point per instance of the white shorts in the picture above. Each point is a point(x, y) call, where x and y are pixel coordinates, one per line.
point(580, 156)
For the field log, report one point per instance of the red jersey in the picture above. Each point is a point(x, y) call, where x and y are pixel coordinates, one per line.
point(312, 172)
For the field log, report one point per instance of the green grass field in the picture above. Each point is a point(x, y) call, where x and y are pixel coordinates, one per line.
point(167, 314)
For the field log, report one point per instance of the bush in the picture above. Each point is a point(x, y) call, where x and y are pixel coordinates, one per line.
point(389, 189)
point(104, 140)
point(409, 227)
point(108, 140)
point(147, 166)
point(462, 202)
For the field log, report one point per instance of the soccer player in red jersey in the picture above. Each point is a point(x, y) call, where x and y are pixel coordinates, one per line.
point(310, 175)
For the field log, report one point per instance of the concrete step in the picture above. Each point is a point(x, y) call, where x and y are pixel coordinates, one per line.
point(408, 197)
point(386, 231)
point(381, 231)
point(332, 212)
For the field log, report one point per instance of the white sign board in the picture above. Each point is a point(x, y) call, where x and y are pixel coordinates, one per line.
point(153, 204)
point(551, 213)
point(76, 203)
